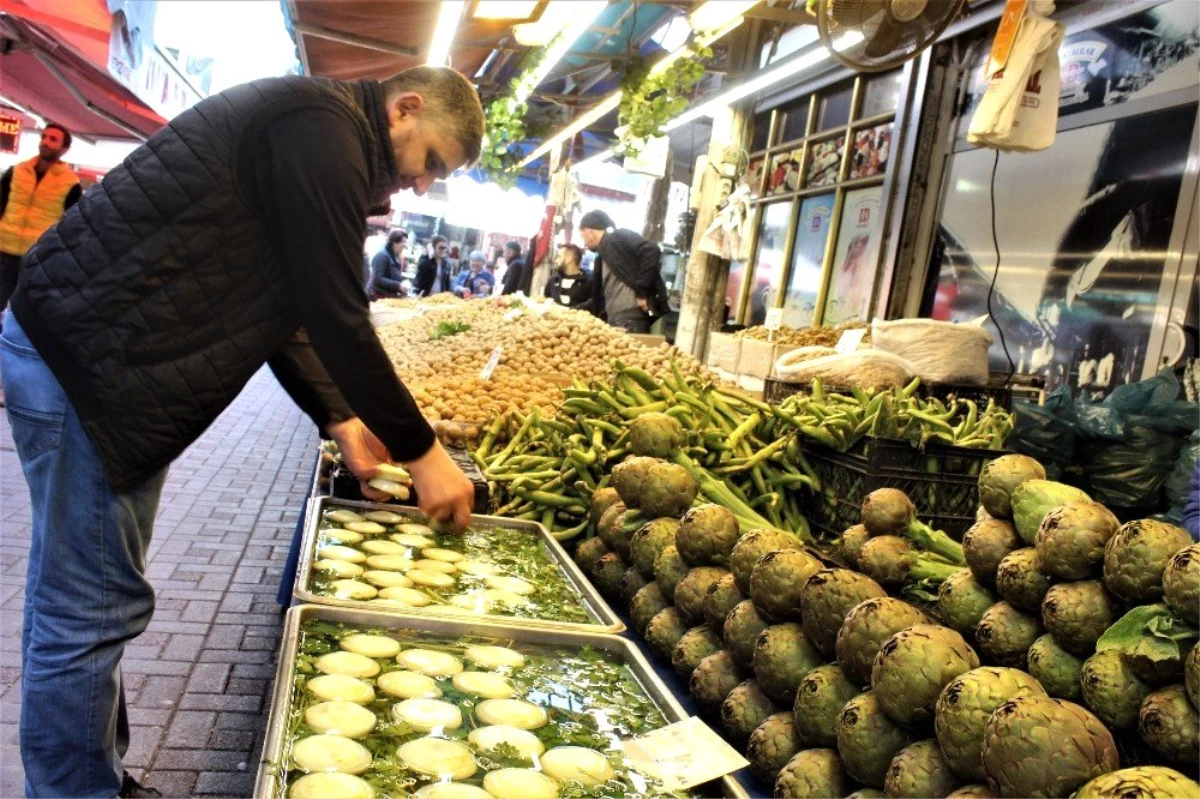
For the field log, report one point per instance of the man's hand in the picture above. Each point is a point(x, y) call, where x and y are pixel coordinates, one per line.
point(444, 492)
point(362, 452)
point(644, 304)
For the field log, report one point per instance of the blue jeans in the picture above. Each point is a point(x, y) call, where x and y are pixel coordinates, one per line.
point(85, 593)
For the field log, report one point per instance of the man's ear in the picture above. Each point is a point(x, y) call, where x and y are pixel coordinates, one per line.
point(404, 104)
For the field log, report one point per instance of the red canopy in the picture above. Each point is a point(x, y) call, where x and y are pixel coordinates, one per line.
point(54, 62)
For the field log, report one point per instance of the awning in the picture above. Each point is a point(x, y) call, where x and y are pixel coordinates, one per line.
point(53, 61)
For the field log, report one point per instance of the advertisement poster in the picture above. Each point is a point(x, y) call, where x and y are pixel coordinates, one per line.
point(823, 162)
point(10, 134)
point(1084, 229)
point(785, 172)
point(871, 150)
point(853, 277)
point(812, 234)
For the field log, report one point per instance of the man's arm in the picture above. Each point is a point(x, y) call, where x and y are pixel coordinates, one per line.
point(5, 186)
point(73, 196)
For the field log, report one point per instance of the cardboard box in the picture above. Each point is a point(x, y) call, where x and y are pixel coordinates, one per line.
point(724, 349)
point(757, 358)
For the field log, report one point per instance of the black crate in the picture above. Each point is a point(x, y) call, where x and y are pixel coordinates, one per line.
point(940, 480)
point(343, 484)
point(776, 391)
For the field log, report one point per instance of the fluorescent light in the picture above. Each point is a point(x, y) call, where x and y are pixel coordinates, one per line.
point(38, 119)
point(579, 19)
point(768, 78)
point(505, 9)
point(716, 14)
point(443, 35)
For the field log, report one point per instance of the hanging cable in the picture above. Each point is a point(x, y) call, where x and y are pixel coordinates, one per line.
point(1012, 367)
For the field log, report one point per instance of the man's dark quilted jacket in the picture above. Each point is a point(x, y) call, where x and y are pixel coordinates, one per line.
point(233, 237)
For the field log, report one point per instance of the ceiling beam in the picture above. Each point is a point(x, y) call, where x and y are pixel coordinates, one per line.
point(321, 32)
point(781, 15)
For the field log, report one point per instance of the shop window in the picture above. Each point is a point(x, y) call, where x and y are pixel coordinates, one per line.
point(853, 277)
point(785, 172)
point(808, 255)
point(795, 121)
point(754, 175)
point(825, 162)
point(835, 106)
point(733, 290)
point(762, 129)
point(872, 148)
point(769, 255)
point(881, 95)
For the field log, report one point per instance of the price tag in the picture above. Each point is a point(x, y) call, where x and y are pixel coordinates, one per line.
point(850, 339)
point(774, 319)
point(684, 754)
point(492, 361)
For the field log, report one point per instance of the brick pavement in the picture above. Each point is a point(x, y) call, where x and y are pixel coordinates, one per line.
point(198, 681)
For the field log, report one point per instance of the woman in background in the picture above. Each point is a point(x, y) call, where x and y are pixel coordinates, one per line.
point(387, 268)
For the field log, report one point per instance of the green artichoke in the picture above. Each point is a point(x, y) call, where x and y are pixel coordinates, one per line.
point(664, 631)
point(1020, 582)
point(743, 710)
point(1004, 635)
point(1136, 557)
point(645, 605)
point(742, 627)
point(826, 599)
point(912, 668)
point(986, 544)
point(1040, 747)
point(868, 740)
point(889, 511)
point(963, 709)
point(777, 580)
point(607, 573)
point(655, 435)
point(1142, 782)
point(669, 569)
point(628, 475)
point(602, 500)
point(706, 535)
point(722, 597)
point(617, 531)
point(821, 695)
point(972, 792)
point(1181, 583)
point(1077, 614)
point(713, 680)
point(772, 744)
point(1055, 668)
point(812, 774)
point(695, 645)
point(610, 522)
point(1033, 499)
point(1191, 675)
point(867, 793)
point(750, 548)
point(692, 589)
point(865, 630)
point(850, 542)
point(1001, 477)
point(918, 771)
point(962, 601)
point(1070, 541)
point(632, 581)
point(1111, 690)
point(782, 656)
point(1169, 723)
point(648, 543)
point(588, 552)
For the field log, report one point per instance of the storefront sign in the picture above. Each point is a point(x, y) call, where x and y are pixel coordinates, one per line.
point(10, 134)
point(135, 62)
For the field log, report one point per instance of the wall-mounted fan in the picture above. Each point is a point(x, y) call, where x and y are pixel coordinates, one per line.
point(877, 35)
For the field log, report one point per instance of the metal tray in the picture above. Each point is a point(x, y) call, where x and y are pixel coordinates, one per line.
point(605, 619)
point(265, 783)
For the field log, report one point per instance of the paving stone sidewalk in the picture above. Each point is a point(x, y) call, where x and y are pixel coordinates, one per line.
point(199, 679)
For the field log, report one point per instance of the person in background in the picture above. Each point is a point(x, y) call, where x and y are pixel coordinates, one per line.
point(1191, 509)
point(455, 262)
point(476, 280)
point(387, 268)
point(514, 272)
point(570, 285)
point(433, 270)
point(627, 285)
point(230, 240)
point(33, 195)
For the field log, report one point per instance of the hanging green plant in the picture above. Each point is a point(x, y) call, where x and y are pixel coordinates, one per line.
point(650, 101)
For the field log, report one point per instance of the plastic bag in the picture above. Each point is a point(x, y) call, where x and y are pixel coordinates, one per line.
point(862, 369)
point(1045, 432)
point(1130, 473)
point(791, 360)
point(940, 352)
point(1179, 482)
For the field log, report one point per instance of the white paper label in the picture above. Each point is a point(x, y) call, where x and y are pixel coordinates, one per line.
point(774, 319)
point(491, 364)
point(684, 754)
point(850, 339)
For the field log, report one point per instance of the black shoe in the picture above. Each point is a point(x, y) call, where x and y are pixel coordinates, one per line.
point(132, 788)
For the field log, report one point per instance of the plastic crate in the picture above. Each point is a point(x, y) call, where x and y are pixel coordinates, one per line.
point(941, 481)
point(776, 391)
point(344, 485)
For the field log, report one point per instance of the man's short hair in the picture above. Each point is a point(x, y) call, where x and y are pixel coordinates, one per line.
point(397, 235)
point(596, 220)
point(515, 246)
point(454, 104)
point(65, 133)
point(438, 239)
